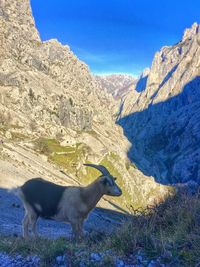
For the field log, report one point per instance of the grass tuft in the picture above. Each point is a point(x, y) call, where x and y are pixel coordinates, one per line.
point(169, 231)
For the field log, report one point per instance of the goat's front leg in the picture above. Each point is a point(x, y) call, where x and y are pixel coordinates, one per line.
point(77, 228)
point(80, 228)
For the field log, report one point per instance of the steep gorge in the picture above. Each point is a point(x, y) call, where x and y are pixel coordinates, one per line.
point(162, 121)
point(51, 104)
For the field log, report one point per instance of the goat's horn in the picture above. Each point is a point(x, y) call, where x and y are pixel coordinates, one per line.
point(100, 168)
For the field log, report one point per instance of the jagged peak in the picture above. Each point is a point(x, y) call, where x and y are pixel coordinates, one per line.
point(145, 72)
point(19, 13)
point(190, 32)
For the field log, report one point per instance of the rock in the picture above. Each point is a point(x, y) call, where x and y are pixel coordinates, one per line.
point(154, 263)
point(191, 32)
point(60, 259)
point(119, 263)
point(18, 261)
point(50, 93)
point(116, 84)
point(8, 135)
point(44, 157)
point(69, 141)
point(162, 120)
point(167, 254)
point(139, 258)
point(95, 256)
point(82, 264)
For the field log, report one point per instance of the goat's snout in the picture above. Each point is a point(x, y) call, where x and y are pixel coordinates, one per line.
point(117, 191)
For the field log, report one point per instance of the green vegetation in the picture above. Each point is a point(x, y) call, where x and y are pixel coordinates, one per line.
point(125, 200)
point(31, 95)
point(169, 231)
point(52, 145)
point(108, 161)
point(48, 249)
point(67, 157)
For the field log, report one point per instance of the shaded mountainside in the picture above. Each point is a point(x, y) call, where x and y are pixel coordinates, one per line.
point(162, 121)
point(51, 105)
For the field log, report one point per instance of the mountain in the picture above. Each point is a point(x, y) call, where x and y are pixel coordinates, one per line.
point(53, 111)
point(116, 84)
point(162, 119)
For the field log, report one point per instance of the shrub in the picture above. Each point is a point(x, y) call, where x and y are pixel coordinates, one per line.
point(42, 146)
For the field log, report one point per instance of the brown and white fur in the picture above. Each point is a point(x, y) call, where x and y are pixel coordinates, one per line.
point(70, 204)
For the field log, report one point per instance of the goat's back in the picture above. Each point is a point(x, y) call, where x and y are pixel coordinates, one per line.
point(43, 196)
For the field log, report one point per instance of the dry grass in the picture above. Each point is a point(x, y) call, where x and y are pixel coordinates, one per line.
point(48, 249)
point(170, 231)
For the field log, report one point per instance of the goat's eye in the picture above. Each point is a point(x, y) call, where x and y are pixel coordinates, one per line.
point(115, 178)
point(105, 181)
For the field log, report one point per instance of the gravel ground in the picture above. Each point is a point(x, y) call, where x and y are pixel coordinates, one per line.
point(18, 164)
point(11, 215)
point(18, 261)
point(100, 220)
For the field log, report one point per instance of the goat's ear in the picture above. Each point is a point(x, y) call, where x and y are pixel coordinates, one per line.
point(105, 181)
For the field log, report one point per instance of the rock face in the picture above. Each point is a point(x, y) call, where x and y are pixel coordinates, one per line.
point(43, 84)
point(44, 79)
point(163, 120)
point(116, 84)
point(46, 91)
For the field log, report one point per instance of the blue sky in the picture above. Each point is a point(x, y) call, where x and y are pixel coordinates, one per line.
point(115, 36)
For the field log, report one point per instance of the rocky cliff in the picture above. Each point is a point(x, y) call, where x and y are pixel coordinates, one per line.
point(51, 104)
point(45, 78)
point(161, 120)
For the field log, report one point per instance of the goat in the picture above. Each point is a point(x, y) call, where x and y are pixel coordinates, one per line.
point(70, 204)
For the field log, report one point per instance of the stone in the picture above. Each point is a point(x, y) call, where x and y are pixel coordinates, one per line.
point(116, 84)
point(119, 263)
point(167, 254)
point(59, 259)
point(8, 135)
point(95, 256)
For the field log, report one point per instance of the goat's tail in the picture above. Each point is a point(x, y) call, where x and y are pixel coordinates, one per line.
point(16, 191)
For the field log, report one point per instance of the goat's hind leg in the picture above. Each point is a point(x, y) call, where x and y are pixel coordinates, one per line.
point(30, 219)
point(33, 221)
point(25, 224)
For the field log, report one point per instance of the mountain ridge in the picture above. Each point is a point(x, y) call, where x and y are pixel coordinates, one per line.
point(51, 104)
point(162, 120)
point(116, 84)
